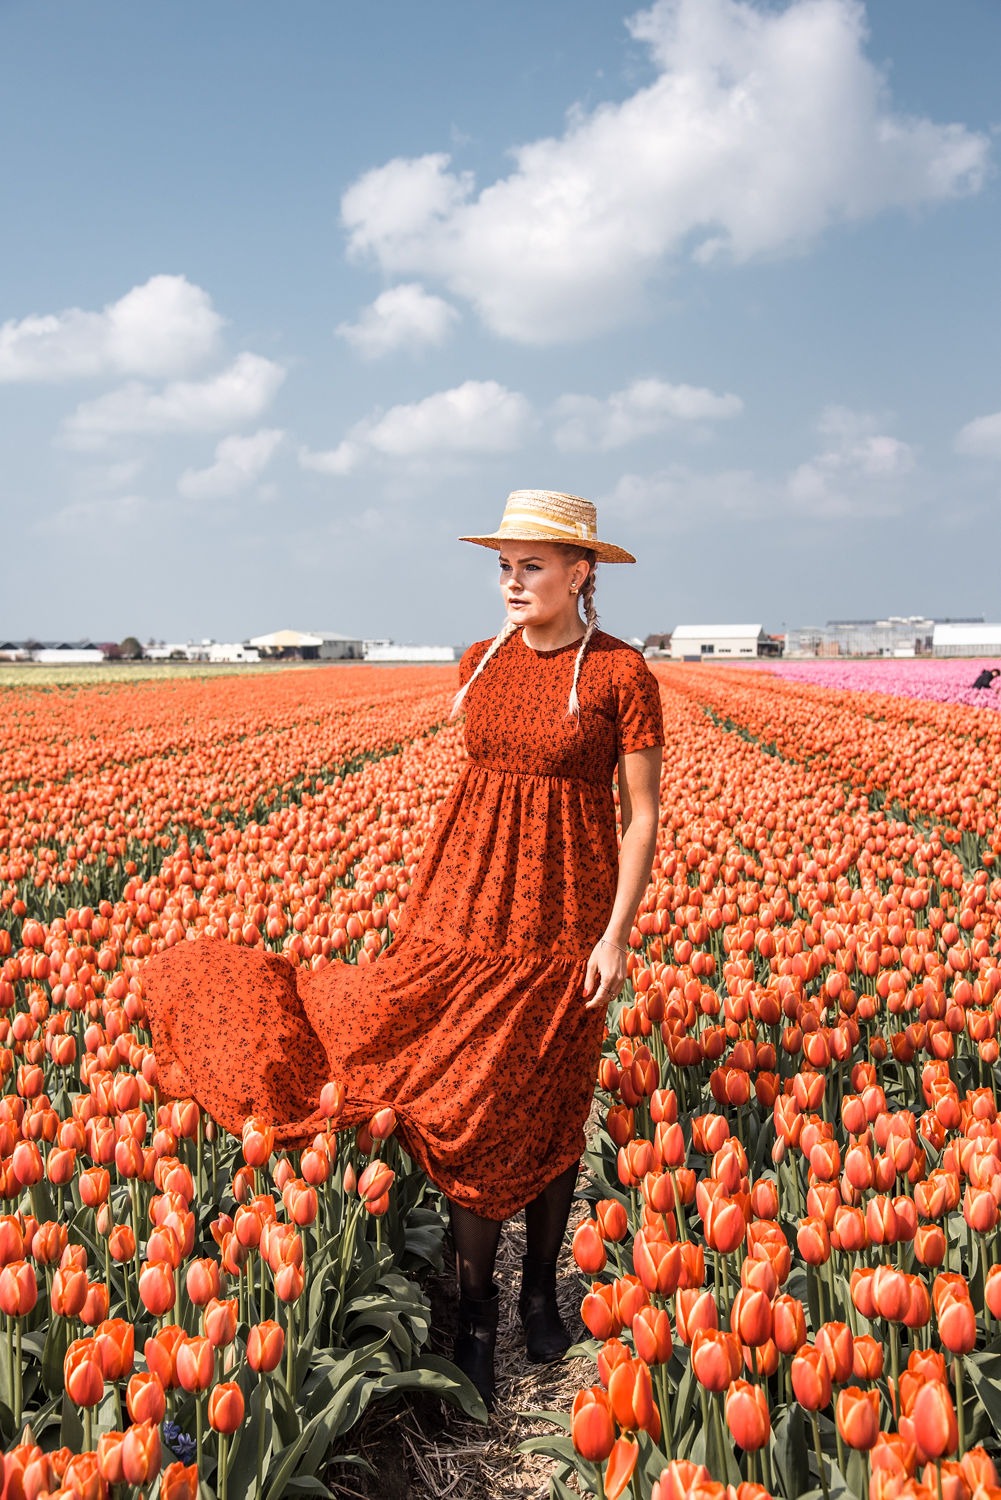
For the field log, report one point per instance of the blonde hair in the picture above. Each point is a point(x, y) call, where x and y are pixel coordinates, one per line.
point(574, 554)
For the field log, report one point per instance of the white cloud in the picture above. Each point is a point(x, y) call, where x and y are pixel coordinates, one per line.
point(479, 416)
point(403, 317)
point(239, 393)
point(857, 475)
point(94, 517)
point(643, 408)
point(162, 328)
point(981, 438)
point(763, 128)
point(239, 461)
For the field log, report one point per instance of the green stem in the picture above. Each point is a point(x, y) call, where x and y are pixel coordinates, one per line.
point(18, 1374)
point(820, 1454)
point(290, 1351)
point(223, 1465)
point(957, 1370)
point(260, 1439)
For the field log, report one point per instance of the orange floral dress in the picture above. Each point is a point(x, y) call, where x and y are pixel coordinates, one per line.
point(472, 1023)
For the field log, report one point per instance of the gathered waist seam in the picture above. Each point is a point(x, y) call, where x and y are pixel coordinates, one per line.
point(537, 775)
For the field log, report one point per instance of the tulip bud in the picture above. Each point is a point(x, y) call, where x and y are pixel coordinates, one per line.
point(226, 1407)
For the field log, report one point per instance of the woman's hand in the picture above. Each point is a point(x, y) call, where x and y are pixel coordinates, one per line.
point(605, 976)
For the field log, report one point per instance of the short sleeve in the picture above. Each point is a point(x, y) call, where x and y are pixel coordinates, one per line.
point(639, 717)
point(470, 660)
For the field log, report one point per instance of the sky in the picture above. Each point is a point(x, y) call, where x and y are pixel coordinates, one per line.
point(293, 296)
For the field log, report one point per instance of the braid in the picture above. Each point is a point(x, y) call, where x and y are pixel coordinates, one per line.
point(506, 629)
point(591, 617)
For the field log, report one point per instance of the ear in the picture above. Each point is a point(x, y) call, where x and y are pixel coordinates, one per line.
point(580, 572)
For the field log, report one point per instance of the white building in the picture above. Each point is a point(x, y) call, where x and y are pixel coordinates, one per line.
point(74, 653)
point(967, 639)
point(232, 651)
point(388, 651)
point(715, 642)
point(309, 645)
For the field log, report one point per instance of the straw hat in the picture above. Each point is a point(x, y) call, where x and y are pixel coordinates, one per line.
point(550, 516)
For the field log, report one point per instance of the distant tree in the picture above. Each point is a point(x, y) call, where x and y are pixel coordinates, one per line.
point(130, 649)
point(112, 651)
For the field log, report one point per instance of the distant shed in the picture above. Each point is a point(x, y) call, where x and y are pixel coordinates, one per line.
point(715, 642)
point(974, 638)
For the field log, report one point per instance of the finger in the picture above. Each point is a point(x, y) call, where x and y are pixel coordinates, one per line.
point(590, 977)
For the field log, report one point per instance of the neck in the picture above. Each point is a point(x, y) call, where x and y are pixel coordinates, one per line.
point(555, 633)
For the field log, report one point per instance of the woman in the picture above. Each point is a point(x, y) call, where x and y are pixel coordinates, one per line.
point(482, 1023)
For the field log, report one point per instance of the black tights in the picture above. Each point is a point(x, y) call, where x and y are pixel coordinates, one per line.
point(476, 1239)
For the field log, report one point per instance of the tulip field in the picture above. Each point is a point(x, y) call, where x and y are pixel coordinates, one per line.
point(788, 1235)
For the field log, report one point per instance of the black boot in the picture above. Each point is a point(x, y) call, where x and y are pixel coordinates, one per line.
point(546, 1336)
point(475, 1338)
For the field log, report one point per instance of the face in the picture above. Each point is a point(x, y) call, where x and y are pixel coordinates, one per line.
point(535, 581)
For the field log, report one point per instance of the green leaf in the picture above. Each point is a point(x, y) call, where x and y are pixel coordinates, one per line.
point(984, 1370)
point(789, 1450)
point(436, 1376)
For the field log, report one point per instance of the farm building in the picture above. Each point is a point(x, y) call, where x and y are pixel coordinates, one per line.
point(308, 645)
point(384, 651)
point(56, 653)
point(967, 639)
point(715, 642)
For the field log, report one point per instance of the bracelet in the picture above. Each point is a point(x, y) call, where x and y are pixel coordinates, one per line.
point(614, 945)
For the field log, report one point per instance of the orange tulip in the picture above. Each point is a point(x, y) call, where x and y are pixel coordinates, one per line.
point(18, 1289)
point(811, 1378)
point(746, 1409)
point(226, 1407)
point(857, 1414)
point(611, 1219)
point(219, 1322)
point(179, 1482)
point(620, 1467)
point(834, 1340)
point(116, 1344)
point(195, 1364)
point(592, 1426)
point(630, 1392)
point(651, 1329)
point(265, 1346)
point(141, 1454)
point(145, 1398)
point(156, 1288)
point(83, 1375)
point(715, 1358)
point(203, 1280)
point(588, 1248)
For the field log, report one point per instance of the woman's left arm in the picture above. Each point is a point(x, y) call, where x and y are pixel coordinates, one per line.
point(639, 806)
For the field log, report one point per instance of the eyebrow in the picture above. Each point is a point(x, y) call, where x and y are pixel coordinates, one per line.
point(533, 558)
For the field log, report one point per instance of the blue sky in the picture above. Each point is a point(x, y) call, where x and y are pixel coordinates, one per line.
point(293, 295)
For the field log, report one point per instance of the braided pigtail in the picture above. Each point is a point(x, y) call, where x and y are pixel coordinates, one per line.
point(591, 619)
point(506, 629)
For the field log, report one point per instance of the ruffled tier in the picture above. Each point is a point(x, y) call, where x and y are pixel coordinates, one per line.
point(488, 1058)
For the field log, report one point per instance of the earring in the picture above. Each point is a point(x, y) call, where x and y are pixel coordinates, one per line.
point(573, 593)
